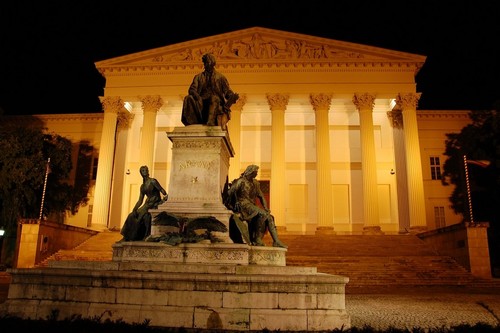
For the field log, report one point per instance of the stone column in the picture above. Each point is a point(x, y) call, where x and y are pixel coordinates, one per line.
point(321, 106)
point(364, 103)
point(150, 107)
point(278, 103)
point(102, 193)
point(408, 104)
point(396, 121)
point(117, 200)
point(234, 129)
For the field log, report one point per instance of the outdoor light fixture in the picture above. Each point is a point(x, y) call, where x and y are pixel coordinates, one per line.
point(2, 232)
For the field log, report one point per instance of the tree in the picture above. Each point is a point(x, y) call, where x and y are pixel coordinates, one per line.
point(26, 148)
point(478, 141)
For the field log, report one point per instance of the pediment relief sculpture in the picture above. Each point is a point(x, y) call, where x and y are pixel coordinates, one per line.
point(258, 47)
point(262, 45)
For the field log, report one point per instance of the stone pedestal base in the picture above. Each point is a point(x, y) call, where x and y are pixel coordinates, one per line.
point(200, 164)
point(217, 253)
point(182, 295)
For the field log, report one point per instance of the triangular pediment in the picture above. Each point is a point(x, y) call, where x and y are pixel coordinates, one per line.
point(262, 46)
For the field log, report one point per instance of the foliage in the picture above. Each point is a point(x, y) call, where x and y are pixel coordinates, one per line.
point(78, 324)
point(26, 148)
point(479, 140)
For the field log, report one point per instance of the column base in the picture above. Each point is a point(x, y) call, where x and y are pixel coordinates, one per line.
point(281, 229)
point(325, 231)
point(372, 230)
point(417, 229)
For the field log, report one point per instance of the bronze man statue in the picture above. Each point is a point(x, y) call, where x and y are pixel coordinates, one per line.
point(209, 97)
point(240, 199)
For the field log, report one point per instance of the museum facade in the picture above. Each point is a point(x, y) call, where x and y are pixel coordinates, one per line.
point(334, 127)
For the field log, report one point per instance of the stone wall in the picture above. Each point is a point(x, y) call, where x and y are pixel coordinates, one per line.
point(37, 241)
point(467, 243)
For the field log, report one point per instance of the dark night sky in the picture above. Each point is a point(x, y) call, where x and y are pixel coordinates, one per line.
point(48, 48)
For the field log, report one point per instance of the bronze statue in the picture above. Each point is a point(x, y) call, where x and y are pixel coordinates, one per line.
point(209, 97)
point(240, 198)
point(137, 226)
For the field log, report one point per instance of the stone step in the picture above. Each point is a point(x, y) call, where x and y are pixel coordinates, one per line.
point(98, 248)
point(370, 261)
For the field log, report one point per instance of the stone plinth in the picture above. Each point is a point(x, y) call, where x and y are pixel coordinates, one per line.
point(198, 253)
point(200, 164)
point(206, 285)
point(193, 296)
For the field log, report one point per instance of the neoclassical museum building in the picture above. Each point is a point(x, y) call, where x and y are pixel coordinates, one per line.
point(334, 127)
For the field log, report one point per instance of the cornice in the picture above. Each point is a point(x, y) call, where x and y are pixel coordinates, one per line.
point(442, 114)
point(261, 67)
point(71, 117)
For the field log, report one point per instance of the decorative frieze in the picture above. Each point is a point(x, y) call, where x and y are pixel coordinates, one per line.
point(202, 144)
point(258, 47)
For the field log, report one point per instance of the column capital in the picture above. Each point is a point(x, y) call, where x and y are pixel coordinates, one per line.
point(320, 101)
point(364, 101)
point(277, 101)
point(242, 100)
point(112, 104)
point(124, 119)
point(395, 118)
point(151, 103)
point(408, 100)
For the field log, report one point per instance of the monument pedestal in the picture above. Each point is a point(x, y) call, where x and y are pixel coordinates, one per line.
point(200, 164)
point(205, 285)
point(199, 253)
point(201, 291)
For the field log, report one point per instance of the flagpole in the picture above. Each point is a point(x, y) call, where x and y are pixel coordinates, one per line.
point(44, 187)
point(469, 197)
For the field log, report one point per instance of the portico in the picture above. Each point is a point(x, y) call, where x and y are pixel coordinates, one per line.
point(313, 114)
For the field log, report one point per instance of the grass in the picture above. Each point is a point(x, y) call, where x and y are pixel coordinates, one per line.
point(77, 324)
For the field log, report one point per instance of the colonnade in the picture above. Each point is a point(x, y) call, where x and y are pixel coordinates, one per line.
point(321, 103)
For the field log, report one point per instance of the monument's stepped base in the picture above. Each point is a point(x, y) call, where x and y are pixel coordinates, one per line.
point(373, 263)
point(182, 287)
point(190, 296)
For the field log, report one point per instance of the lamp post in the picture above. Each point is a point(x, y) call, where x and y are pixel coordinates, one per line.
point(481, 163)
point(47, 170)
point(467, 184)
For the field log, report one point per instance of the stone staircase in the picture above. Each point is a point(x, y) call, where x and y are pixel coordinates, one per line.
point(96, 248)
point(382, 263)
point(373, 263)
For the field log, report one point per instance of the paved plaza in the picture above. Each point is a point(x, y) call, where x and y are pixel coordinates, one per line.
point(424, 310)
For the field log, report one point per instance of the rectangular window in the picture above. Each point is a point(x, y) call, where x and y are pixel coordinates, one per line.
point(94, 168)
point(435, 168)
point(89, 216)
point(439, 217)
